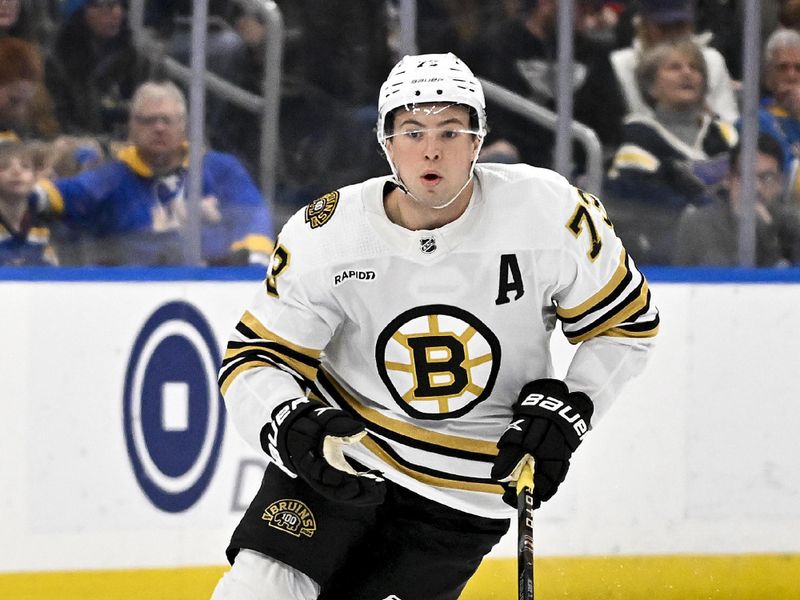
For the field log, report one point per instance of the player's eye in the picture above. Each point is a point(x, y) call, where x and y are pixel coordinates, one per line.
point(450, 134)
point(414, 134)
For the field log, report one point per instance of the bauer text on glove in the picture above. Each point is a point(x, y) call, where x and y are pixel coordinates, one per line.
point(548, 424)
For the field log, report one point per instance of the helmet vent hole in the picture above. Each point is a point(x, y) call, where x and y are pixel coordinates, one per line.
point(417, 93)
point(439, 92)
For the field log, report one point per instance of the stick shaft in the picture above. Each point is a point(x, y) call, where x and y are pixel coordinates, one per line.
point(525, 533)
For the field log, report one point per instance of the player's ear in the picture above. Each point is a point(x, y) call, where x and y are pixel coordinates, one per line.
point(476, 146)
point(388, 147)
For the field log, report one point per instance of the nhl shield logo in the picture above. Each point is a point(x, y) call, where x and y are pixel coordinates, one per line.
point(321, 210)
point(427, 244)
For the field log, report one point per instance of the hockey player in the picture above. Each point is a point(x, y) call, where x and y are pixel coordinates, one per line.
point(395, 367)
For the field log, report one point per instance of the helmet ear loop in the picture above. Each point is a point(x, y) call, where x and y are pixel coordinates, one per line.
point(395, 174)
point(481, 138)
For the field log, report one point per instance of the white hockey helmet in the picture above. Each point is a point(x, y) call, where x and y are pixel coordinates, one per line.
point(428, 78)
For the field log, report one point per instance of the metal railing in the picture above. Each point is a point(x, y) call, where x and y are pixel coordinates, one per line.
point(565, 128)
point(547, 118)
point(267, 105)
point(561, 123)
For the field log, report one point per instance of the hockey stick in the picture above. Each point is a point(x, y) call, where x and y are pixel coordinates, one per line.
point(525, 532)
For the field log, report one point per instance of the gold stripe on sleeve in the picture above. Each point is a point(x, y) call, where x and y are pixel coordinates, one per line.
point(229, 379)
point(599, 296)
point(307, 371)
point(279, 349)
point(633, 307)
point(251, 322)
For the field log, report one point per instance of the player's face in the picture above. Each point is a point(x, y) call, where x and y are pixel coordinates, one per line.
point(157, 126)
point(433, 151)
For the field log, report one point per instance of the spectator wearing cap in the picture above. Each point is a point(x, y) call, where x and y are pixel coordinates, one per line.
point(94, 68)
point(134, 210)
point(668, 20)
point(24, 109)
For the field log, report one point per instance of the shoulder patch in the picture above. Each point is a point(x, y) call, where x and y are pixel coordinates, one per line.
point(321, 210)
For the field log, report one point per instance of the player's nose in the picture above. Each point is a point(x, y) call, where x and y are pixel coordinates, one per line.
point(433, 148)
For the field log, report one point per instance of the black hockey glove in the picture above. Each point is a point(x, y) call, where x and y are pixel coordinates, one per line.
point(548, 424)
point(305, 439)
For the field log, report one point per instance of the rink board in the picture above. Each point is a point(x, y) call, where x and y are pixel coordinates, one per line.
point(689, 487)
point(754, 577)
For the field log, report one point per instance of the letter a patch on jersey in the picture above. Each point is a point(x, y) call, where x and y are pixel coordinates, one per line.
point(321, 210)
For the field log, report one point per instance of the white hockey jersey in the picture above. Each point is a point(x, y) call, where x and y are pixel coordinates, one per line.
point(428, 336)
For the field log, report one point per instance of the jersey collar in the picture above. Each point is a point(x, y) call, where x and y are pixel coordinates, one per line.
point(130, 156)
point(422, 245)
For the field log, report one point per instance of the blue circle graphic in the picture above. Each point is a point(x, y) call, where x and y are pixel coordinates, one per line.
point(173, 413)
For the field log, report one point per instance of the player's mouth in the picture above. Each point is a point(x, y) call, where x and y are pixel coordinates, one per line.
point(430, 178)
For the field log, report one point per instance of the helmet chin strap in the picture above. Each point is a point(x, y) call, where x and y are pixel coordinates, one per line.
point(407, 191)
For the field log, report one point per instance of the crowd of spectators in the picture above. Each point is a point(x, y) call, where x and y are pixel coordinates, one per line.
point(657, 80)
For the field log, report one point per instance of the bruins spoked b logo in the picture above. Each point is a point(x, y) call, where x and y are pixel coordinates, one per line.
point(437, 361)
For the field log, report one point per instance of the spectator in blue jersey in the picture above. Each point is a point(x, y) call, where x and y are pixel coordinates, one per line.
point(669, 158)
point(779, 114)
point(23, 241)
point(134, 208)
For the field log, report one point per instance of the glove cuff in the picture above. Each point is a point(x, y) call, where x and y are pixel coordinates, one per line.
point(273, 433)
